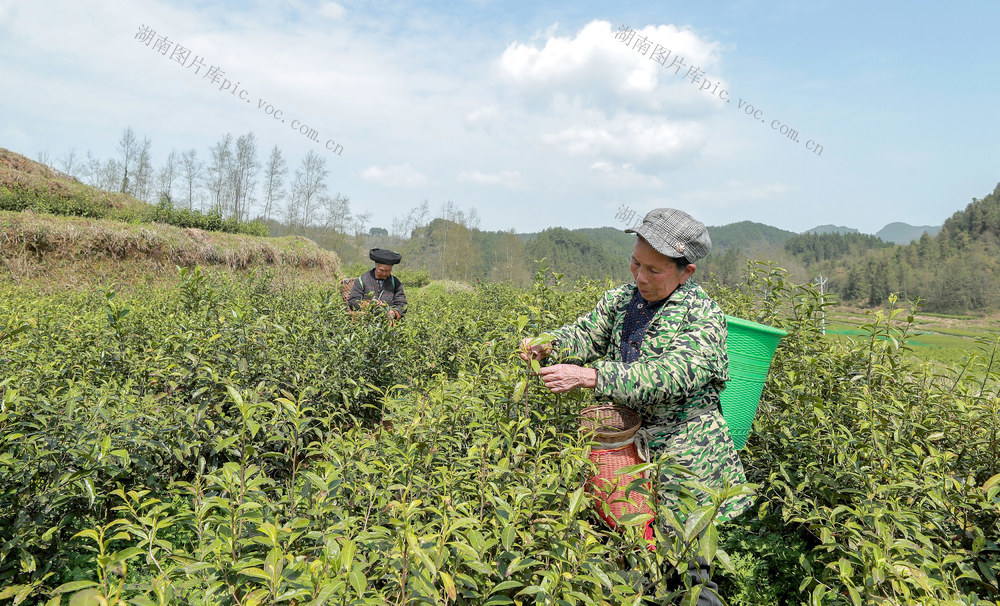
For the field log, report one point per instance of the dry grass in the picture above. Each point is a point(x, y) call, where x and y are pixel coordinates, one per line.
point(70, 249)
point(22, 174)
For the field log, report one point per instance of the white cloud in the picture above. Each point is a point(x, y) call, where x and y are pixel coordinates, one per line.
point(643, 139)
point(623, 175)
point(600, 71)
point(734, 198)
point(331, 10)
point(557, 60)
point(587, 94)
point(483, 114)
point(765, 191)
point(508, 178)
point(395, 176)
point(736, 190)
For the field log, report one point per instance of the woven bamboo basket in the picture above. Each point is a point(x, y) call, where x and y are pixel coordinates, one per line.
point(610, 423)
point(345, 288)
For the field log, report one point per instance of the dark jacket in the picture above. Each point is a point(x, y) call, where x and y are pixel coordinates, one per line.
point(367, 287)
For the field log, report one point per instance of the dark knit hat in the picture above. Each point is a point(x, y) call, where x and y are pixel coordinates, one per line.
point(385, 256)
point(674, 233)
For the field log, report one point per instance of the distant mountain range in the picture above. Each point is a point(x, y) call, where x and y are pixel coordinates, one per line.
point(831, 229)
point(897, 233)
point(749, 236)
point(902, 233)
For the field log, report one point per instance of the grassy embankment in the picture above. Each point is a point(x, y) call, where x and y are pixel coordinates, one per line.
point(56, 232)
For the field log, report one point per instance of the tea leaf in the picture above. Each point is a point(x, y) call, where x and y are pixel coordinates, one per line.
point(74, 586)
point(358, 581)
point(449, 585)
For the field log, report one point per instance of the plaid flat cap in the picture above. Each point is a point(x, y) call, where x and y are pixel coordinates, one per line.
point(674, 233)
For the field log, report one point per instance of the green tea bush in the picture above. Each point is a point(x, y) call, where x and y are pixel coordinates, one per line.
point(414, 278)
point(353, 270)
point(227, 442)
point(236, 441)
point(891, 470)
point(766, 557)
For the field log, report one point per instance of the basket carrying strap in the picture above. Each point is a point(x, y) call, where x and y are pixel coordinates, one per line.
point(641, 440)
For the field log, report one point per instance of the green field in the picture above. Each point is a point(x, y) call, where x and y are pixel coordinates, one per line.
point(934, 338)
point(230, 439)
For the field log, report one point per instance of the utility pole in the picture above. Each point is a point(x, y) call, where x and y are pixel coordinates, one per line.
point(821, 281)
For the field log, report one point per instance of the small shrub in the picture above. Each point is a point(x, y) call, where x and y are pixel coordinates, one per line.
point(413, 278)
point(78, 200)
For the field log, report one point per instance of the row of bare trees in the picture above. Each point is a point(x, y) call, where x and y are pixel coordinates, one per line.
point(231, 181)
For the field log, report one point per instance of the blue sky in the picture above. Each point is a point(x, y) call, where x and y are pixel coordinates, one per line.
point(536, 116)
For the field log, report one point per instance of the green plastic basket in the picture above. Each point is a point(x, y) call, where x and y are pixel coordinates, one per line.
point(751, 347)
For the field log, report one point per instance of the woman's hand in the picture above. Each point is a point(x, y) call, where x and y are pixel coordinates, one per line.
point(533, 352)
point(560, 378)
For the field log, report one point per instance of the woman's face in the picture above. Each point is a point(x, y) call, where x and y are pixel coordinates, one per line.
point(656, 274)
point(382, 271)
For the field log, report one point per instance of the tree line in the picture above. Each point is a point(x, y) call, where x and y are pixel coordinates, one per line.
point(233, 180)
point(813, 248)
point(956, 270)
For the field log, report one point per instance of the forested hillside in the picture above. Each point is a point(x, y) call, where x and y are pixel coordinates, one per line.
point(614, 240)
point(594, 253)
point(744, 235)
point(813, 247)
point(955, 271)
point(735, 244)
point(831, 229)
point(904, 233)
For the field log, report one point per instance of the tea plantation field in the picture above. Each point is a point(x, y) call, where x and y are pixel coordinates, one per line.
point(233, 440)
point(940, 338)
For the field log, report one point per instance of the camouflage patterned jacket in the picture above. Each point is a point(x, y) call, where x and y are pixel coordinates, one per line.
point(682, 362)
point(674, 383)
